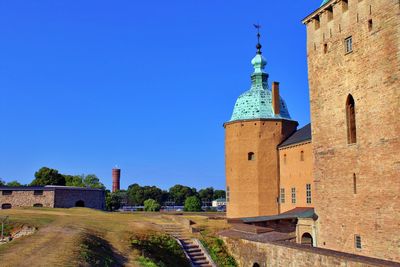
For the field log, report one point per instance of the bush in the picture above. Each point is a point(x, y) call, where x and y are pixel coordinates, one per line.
point(159, 250)
point(151, 205)
point(192, 204)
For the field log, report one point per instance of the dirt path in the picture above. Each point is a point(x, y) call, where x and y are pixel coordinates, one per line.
point(40, 249)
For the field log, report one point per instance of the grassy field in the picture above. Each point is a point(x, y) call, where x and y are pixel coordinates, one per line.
point(77, 237)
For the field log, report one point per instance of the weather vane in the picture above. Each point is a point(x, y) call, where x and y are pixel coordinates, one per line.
point(258, 46)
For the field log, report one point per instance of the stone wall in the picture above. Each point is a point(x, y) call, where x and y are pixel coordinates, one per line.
point(253, 184)
point(68, 198)
point(28, 199)
point(247, 253)
point(370, 207)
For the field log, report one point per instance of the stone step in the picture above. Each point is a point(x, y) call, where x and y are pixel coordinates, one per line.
point(204, 265)
point(191, 250)
point(198, 262)
point(194, 254)
point(198, 258)
point(191, 246)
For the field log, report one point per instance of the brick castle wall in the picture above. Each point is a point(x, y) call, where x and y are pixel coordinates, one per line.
point(253, 184)
point(296, 173)
point(371, 74)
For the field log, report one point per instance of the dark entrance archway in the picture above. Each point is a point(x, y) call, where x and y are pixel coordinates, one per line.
point(80, 203)
point(256, 265)
point(306, 239)
point(6, 206)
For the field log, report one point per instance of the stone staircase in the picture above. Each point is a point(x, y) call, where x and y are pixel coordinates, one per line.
point(194, 252)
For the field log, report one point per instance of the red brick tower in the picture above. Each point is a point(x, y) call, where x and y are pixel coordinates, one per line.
point(116, 177)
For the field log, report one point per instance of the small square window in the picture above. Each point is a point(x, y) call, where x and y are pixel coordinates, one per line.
point(7, 192)
point(251, 156)
point(38, 192)
point(348, 43)
point(357, 240)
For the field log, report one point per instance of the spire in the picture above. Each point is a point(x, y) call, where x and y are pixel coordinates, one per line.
point(259, 77)
point(258, 46)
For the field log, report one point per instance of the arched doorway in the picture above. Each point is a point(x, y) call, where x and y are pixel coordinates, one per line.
point(6, 206)
point(80, 203)
point(306, 239)
point(256, 265)
point(38, 205)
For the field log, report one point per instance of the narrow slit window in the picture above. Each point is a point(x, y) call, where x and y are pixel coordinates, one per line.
point(351, 120)
point(325, 48)
point(302, 156)
point(284, 159)
point(354, 183)
point(370, 25)
point(228, 196)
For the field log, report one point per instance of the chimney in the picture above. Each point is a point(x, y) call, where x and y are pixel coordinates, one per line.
point(116, 176)
point(276, 103)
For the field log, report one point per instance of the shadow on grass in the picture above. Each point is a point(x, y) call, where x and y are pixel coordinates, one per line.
point(95, 251)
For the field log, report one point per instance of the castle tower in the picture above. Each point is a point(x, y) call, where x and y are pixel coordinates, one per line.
point(116, 178)
point(260, 122)
point(353, 49)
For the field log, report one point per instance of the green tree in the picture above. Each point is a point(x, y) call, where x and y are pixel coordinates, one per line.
point(192, 203)
point(219, 194)
point(138, 194)
point(47, 176)
point(74, 180)
point(207, 194)
point(114, 200)
point(92, 181)
point(179, 193)
point(2, 183)
point(151, 205)
point(14, 184)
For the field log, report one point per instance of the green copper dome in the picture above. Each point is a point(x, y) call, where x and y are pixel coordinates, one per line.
point(257, 102)
point(324, 2)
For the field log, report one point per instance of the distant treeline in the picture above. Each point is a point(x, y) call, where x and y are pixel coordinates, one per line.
point(177, 195)
point(47, 176)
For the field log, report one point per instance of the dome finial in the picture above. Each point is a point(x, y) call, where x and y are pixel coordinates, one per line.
point(258, 46)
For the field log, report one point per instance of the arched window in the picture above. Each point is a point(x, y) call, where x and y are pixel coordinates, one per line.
point(302, 156)
point(351, 120)
point(306, 239)
point(251, 156)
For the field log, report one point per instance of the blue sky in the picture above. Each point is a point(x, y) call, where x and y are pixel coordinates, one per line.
point(145, 85)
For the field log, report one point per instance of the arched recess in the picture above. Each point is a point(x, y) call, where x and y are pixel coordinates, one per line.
point(80, 203)
point(38, 205)
point(6, 206)
point(251, 156)
point(351, 120)
point(306, 239)
point(256, 264)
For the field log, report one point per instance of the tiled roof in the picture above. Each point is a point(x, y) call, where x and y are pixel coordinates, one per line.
point(300, 136)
